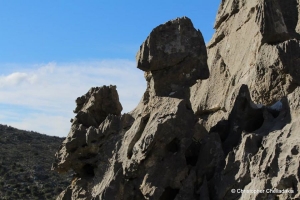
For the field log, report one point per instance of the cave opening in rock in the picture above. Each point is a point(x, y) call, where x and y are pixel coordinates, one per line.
point(191, 160)
point(169, 194)
point(246, 116)
point(254, 119)
point(88, 170)
point(192, 154)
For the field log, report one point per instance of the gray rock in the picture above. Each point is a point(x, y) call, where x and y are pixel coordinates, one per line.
point(93, 107)
point(253, 59)
point(173, 56)
point(191, 137)
point(98, 116)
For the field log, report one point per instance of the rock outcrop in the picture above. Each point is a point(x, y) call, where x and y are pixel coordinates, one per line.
point(211, 122)
point(173, 57)
point(250, 99)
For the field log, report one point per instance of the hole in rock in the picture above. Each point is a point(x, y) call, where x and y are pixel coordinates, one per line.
point(245, 116)
point(295, 150)
point(173, 146)
point(88, 170)
point(253, 120)
point(191, 160)
point(267, 169)
point(169, 194)
point(250, 118)
point(192, 153)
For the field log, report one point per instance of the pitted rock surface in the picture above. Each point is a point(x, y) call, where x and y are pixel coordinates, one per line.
point(192, 136)
point(98, 110)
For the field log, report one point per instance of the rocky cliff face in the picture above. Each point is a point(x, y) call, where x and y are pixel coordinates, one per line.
point(211, 120)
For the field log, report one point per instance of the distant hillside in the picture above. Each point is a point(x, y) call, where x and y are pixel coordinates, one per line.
point(25, 165)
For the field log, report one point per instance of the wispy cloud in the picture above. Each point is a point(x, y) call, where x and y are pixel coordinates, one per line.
point(16, 78)
point(41, 97)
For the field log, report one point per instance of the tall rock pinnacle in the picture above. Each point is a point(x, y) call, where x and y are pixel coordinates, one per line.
point(132, 156)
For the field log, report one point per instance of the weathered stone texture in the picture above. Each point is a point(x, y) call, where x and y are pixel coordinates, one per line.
point(207, 123)
point(173, 57)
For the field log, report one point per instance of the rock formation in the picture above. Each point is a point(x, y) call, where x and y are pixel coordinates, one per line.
point(210, 121)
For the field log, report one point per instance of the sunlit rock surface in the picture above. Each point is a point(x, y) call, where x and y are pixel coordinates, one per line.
point(210, 121)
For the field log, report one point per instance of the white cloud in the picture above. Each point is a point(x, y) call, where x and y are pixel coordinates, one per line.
point(16, 79)
point(47, 92)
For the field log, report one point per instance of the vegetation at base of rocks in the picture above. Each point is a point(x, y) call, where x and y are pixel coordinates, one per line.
point(25, 165)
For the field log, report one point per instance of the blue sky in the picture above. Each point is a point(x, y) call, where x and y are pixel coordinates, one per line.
point(54, 51)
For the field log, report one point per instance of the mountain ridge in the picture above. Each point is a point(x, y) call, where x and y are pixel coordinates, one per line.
point(25, 169)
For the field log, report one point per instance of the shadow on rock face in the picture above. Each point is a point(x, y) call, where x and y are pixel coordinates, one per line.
point(164, 149)
point(277, 20)
point(248, 117)
point(241, 138)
